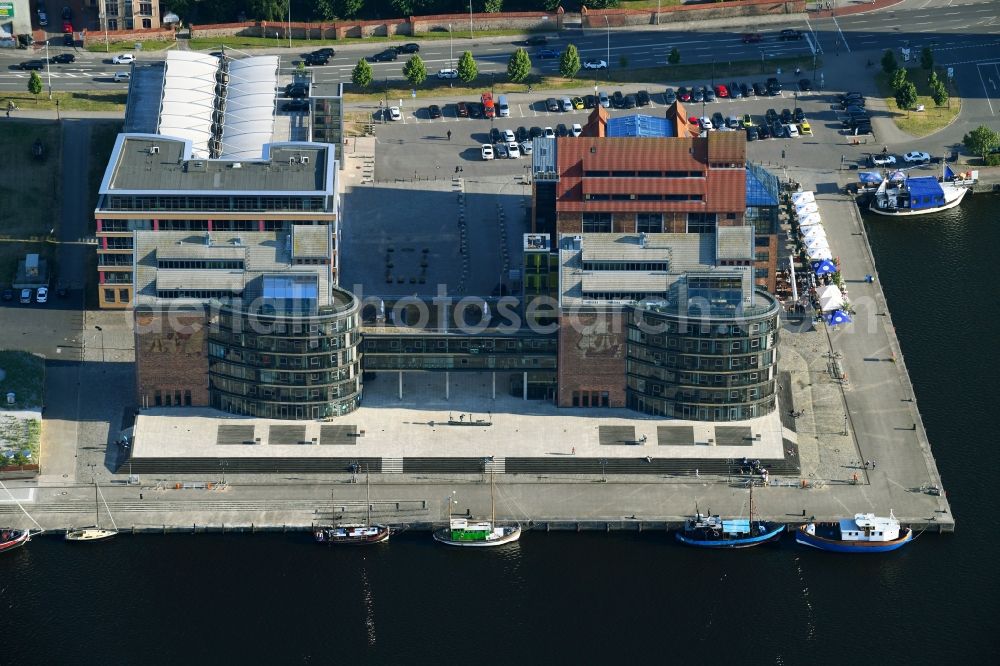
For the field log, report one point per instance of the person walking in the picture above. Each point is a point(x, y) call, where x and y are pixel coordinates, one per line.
point(449, 135)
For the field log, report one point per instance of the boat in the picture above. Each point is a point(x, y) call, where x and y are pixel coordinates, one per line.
point(901, 195)
point(708, 531)
point(865, 533)
point(355, 534)
point(94, 532)
point(482, 534)
point(13, 539)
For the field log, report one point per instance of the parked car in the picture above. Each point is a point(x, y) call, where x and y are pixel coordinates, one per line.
point(618, 99)
point(603, 99)
point(589, 101)
point(395, 113)
point(916, 157)
point(576, 129)
point(786, 116)
point(642, 98)
point(577, 102)
point(408, 48)
point(747, 90)
point(752, 134)
point(32, 64)
point(683, 94)
point(526, 148)
point(535, 132)
point(295, 105)
point(462, 110)
point(486, 151)
point(67, 26)
point(789, 34)
point(595, 64)
point(705, 123)
point(434, 111)
point(43, 18)
point(721, 90)
point(67, 14)
point(763, 131)
point(850, 95)
point(549, 133)
point(709, 95)
point(495, 135)
point(877, 160)
point(521, 134)
point(123, 59)
point(508, 136)
point(861, 129)
point(773, 87)
point(805, 128)
point(513, 152)
point(500, 150)
point(733, 123)
point(297, 89)
point(669, 96)
point(552, 104)
point(630, 102)
point(759, 89)
point(791, 131)
point(798, 115)
point(718, 122)
point(42, 295)
point(698, 94)
point(734, 90)
point(25, 296)
point(562, 130)
point(447, 74)
point(545, 54)
point(566, 104)
point(62, 59)
point(8, 294)
point(805, 85)
point(67, 39)
point(770, 116)
point(475, 109)
point(747, 120)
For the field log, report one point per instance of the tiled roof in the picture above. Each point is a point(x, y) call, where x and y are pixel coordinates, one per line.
point(728, 147)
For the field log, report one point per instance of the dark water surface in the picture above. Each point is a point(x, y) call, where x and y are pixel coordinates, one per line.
point(591, 597)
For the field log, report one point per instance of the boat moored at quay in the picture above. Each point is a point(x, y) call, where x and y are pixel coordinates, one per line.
point(865, 533)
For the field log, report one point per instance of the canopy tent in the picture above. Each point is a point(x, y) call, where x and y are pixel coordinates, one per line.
point(803, 197)
point(897, 176)
point(815, 231)
point(819, 254)
point(823, 267)
point(830, 298)
point(809, 220)
point(817, 244)
point(837, 317)
point(806, 207)
point(870, 177)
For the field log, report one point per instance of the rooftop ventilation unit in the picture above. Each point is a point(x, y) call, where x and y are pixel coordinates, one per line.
point(153, 150)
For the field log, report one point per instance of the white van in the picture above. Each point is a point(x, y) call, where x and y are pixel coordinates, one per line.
point(121, 76)
point(502, 108)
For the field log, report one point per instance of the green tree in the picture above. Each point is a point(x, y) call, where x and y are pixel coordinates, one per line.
point(569, 64)
point(362, 74)
point(551, 5)
point(601, 4)
point(35, 85)
point(674, 57)
point(328, 10)
point(981, 140)
point(467, 68)
point(493, 6)
point(898, 79)
point(415, 71)
point(267, 10)
point(889, 64)
point(519, 66)
point(300, 68)
point(906, 95)
point(939, 93)
point(932, 80)
point(927, 58)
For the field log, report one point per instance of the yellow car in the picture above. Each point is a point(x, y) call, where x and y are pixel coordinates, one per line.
point(577, 102)
point(804, 128)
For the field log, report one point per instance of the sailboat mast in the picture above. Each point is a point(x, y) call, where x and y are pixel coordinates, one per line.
point(493, 507)
point(751, 501)
point(97, 507)
point(368, 498)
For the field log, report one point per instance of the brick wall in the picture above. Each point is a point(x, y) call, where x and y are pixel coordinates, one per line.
point(617, 18)
point(591, 356)
point(171, 355)
point(771, 283)
point(156, 34)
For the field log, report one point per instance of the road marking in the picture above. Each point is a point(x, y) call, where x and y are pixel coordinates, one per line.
point(985, 89)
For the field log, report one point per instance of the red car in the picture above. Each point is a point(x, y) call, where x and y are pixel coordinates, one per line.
point(751, 37)
point(67, 26)
point(721, 91)
point(693, 120)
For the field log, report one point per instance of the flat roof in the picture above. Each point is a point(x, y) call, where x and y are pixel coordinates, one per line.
point(144, 163)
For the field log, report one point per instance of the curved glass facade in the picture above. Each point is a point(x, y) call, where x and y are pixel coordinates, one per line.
point(705, 366)
point(287, 366)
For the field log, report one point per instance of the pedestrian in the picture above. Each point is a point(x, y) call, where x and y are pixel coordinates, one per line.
point(449, 135)
point(574, 451)
point(873, 463)
point(140, 495)
point(868, 464)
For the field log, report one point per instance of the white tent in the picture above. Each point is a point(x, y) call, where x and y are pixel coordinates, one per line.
point(815, 231)
point(806, 208)
point(830, 298)
point(817, 244)
point(819, 254)
point(802, 197)
point(809, 220)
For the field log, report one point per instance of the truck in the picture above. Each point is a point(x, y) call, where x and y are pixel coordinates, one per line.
point(489, 110)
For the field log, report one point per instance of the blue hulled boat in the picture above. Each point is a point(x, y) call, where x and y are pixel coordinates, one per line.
point(865, 533)
point(711, 531)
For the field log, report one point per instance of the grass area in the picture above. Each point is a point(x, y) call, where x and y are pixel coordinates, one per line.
point(129, 47)
point(933, 118)
point(24, 374)
point(662, 76)
point(82, 100)
point(236, 42)
point(20, 440)
point(29, 194)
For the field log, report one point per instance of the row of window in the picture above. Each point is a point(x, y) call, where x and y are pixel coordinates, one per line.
point(626, 265)
point(214, 264)
point(716, 379)
point(680, 410)
point(117, 295)
point(317, 361)
point(644, 197)
point(215, 203)
point(462, 345)
point(591, 399)
point(656, 389)
point(272, 410)
point(694, 328)
point(283, 394)
point(743, 360)
point(203, 294)
point(179, 398)
point(700, 345)
point(311, 345)
point(643, 174)
point(295, 328)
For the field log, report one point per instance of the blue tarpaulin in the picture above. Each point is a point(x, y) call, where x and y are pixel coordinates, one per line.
point(823, 267)
point(925, 192)
point(838, 317)
point(639, 125)
point(870, 177)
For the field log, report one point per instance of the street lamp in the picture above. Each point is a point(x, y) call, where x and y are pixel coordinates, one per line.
point(608, 24)
point(48, 68)
point(604, 478)
point(289, 24)
point(470, 19)
point(101, 331)
point(451, 49)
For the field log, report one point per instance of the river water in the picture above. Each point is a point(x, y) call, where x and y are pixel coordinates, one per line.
point(587, 597)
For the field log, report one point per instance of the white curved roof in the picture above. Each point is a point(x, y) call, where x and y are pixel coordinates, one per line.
point(249, 107)
point(188, 99)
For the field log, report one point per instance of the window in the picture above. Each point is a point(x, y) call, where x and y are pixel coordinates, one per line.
point(596, 223)
point(109, 295)
point(112, 23)
point(650, 223)
point(187, 397)
point(701, 223)
point(157, 399)
point(123, 295)
point(762, 255)
point(146, 8)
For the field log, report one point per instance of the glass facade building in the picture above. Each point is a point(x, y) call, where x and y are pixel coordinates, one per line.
point(713, 362)
point(294, 363)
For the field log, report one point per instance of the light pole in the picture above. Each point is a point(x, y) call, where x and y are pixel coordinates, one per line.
point(604, 477)
point(48, 67)
point(101, 331)
point(608, 23)
point(289, 24)
point(451, 49)
point(470, 19)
